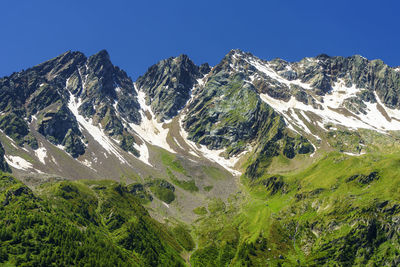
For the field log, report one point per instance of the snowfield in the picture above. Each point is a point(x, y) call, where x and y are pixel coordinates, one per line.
point(95, 131)
point(149, 129)
point(18, 163)
point(41, 154)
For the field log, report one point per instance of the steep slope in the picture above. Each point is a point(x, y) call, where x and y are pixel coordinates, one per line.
point(341, 211)
point(76, 223)
point(325, 93)
point(244, 115)
point(84, 118)
point(168, 85)
point(3, 164)
point(227, 112)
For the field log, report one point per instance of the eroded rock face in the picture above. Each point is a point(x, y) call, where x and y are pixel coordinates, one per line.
point(105, 92)
point(322, 72)
point(60, 127)
point(99, 83)
point(168, 84)
point(227, 112)
point(3, 164)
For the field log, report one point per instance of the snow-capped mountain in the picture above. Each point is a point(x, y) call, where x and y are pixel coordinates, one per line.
point(84, 117)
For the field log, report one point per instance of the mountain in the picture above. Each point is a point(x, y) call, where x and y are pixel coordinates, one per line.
point(297, 159)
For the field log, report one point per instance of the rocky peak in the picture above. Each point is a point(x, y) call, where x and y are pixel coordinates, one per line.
point(204, 68)
point(168, 84)
point(98, 75)
point(60, 67)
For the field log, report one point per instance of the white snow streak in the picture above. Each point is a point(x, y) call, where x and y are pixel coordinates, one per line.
point(18, 163)
point(143, 151)
point(95, 131)
point(41, 154)
point(373, 120)
point(266, 69)
point(213, 155)
point(149, 129)
point(353, 154)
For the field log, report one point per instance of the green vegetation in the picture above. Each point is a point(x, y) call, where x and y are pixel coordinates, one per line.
point(186, 185)
point(86, 223)
point(140, 191)
point(182, 235)
point(162, 189)
point(13, 125)
point(338, 211)
point(127, 144)
point(208, 188)
point(170, 160)
point(3, 164)
point(200, 211)
point(214, 172)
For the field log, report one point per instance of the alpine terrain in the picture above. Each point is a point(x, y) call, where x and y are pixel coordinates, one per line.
point(246, 163)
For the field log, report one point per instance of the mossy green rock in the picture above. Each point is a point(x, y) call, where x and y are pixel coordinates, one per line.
point(60, 127)
point(168, 84)
point(3, 164)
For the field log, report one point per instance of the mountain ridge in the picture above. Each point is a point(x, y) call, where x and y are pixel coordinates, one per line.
point(109, 97)
point(261, 161)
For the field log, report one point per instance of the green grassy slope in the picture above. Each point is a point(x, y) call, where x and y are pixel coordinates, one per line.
point(83, 223)
point(340, 211)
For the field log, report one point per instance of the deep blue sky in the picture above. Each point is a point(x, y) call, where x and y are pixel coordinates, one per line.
point(139, 33)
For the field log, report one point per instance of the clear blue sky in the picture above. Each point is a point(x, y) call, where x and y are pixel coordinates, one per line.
point(139, 33)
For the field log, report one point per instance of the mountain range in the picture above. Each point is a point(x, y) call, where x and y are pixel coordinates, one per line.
point(246, 163)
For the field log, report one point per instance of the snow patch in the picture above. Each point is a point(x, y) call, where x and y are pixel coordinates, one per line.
point(144, 155)
point(354, 154)
point(95, 131)
point(373, 120)
point(177, 143)
point(18, 162)
point(41, 154)
point(265, 68)
point(88, 164)
point(315, 150)
point(54, 160)
point(340, 93)
point(213, 155)
point(150, 130)
point(60, 147)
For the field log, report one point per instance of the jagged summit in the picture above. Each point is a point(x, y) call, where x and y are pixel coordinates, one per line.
point(241, 106)
point(168, 85)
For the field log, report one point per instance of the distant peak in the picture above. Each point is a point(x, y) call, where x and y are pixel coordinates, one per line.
point(100, 59)
point(323, 57)
point(238, 53)
point(102, 54)
point(183, 56)
point(204, 68)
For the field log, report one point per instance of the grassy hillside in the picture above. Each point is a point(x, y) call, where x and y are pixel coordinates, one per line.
point(342, 211)
point(83, 223)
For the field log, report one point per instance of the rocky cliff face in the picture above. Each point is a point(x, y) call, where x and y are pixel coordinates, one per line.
point(41, 95)
point(3, 164)
point(322, 72)
point(227, 112)
point(241, 105)
point(168, 85)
